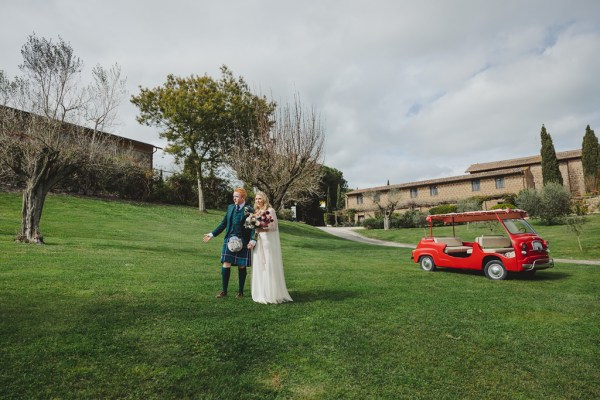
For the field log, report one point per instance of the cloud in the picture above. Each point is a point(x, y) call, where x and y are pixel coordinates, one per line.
point(406, 90)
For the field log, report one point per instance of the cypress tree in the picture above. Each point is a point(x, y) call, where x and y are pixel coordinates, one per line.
point(590, 158)
point(550, 170)
point(339, 205)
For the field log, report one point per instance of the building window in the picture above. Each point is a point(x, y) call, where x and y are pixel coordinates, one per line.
point(414, 193)
point(475, 185)
point(500, 183)
point(433, 190)
point(359, 199)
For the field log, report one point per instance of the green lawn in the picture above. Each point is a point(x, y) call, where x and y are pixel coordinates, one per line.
point(120, 304)
point(563, 242)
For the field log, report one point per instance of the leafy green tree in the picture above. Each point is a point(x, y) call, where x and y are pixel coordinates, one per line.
point(202, 119)
point(333, 183)
point(550, 168)
point(590, 158)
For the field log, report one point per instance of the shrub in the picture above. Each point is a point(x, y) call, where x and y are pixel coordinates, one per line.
point(350, 217)
point(580, 207)
point(132, 183)
point(501, 206)
point(443, 209)
point(471, 204)
point(556, 203)
point(530, 201)
point(550, 204)
point(409, 219)
point(285, 214)
point(373, 223)
point(217, 192)
point(510, 198)
point(480, 199)
point(180, 189)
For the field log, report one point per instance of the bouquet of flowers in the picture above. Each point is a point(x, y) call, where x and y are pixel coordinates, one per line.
point(261, 219)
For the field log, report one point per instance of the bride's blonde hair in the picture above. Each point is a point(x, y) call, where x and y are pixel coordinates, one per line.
point(266, 203)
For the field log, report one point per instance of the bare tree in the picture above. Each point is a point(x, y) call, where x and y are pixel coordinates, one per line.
point(57, 127)
point(385, 207)
point(284, 158)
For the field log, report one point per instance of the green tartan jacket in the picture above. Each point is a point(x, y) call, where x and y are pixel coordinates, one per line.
point(233, 224)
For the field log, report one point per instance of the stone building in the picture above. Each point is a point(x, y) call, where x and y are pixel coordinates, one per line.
point(570, 167)
point(492, 181)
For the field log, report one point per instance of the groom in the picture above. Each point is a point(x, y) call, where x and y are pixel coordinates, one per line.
point(233, 224)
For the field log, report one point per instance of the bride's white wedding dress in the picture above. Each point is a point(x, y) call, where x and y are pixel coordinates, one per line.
point(268, 281)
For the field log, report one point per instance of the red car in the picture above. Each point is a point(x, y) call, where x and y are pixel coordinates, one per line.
point(518, 249)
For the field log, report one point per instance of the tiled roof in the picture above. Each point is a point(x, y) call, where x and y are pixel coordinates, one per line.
point(468, 177)
point(117, 137)
point(521, 162)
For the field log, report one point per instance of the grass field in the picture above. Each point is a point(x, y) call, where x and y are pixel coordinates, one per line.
point(120, 304)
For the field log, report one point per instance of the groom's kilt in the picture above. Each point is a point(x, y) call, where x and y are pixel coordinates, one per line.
point(240, 258)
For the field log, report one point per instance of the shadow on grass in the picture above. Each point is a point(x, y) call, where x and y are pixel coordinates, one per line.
point(146, 249)
point(308, 296)
point(539, 276)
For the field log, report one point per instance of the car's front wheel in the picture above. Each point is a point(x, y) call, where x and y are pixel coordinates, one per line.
point(495, 270)
point(427, 263)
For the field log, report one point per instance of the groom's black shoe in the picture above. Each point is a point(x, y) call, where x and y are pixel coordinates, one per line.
point(221, 294)
point(239, 296)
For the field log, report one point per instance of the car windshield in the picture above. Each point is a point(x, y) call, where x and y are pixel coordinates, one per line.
point(516, 226)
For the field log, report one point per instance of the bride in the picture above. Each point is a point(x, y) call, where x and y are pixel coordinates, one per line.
point(268, 282)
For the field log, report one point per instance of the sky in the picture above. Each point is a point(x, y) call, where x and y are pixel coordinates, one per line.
point(405, 90)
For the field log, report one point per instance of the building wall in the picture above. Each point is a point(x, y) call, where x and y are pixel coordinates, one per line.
point(455, 191)
point(572, 174)
point(448, 192)
point(143, 152)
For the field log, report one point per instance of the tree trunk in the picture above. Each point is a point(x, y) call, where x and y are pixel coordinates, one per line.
point(33, 204)
point(46, 173)
point(386, 222)
point(201, 203)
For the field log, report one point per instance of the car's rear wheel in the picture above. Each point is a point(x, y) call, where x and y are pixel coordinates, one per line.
point(495, 270)
point(427, 263)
